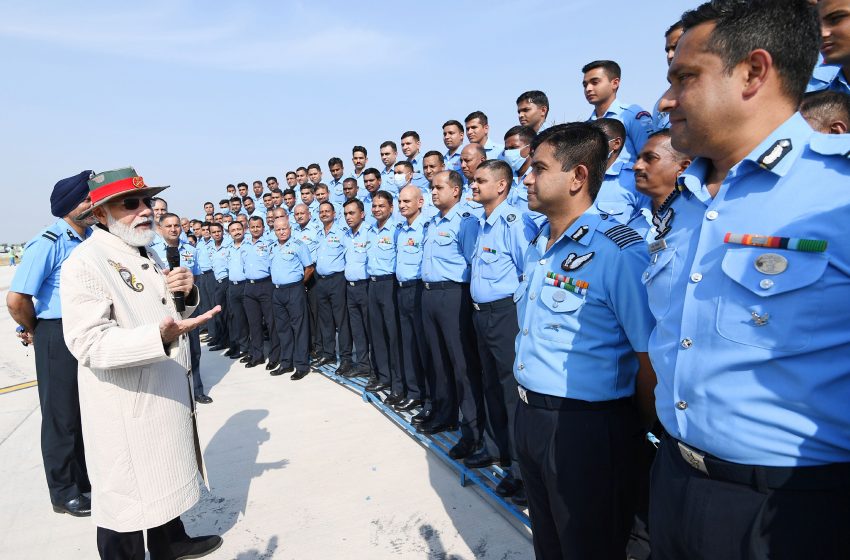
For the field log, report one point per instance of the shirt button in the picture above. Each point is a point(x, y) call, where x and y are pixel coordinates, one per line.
point(687, 343)
point(711, 214)
point(696, 277)
point(681, 405)
point(646, 275)
point(766, 284)
point(532, 296)
point(163, 301)
point(521, 366)
point(145, 266)
point(525, 332)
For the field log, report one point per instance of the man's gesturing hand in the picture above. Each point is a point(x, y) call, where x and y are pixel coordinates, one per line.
point(170, 330)
point(179, 280)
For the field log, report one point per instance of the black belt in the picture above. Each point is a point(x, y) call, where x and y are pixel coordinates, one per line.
point(552, 402)
point(820, 477)
point(447, 285)
point(290, 285)
point(222, 281)
point(409, 283)
point(207, 271)
point(382, 277)
point(333, 274)
point(261, 280)
point(237, 282)
point(357, 282)
point(498, 304)
point(44, 320)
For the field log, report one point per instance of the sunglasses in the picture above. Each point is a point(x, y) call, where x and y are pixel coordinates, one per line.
point(132, 203)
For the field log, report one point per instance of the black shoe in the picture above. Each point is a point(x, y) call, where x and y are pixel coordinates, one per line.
point(196, 547)
point(254, 363)
point(423, 416)
point(463, 448)
point(480, 459)
point(299, 375)
point(407, 405)
point(314, 354)
point(322, 362)
point(376, 386)
point(429, 428)
point(283, 370)
point(355, 373)
point(78, 507)
point(520, 498)
point(508, 487)
point(271, 366)
point(216, 347)
point(203, 399)
point(233, 353)
point(392, 399)
point(245, 359)
point(343, 369)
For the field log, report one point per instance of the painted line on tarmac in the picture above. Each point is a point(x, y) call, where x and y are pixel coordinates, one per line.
point(18, 387)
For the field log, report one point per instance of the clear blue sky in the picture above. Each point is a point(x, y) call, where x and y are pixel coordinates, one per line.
point(201, 94)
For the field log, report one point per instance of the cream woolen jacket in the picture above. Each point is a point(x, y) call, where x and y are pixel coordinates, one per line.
point(135, 399)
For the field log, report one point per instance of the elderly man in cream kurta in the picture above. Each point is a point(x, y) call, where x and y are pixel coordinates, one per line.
point(135, 397)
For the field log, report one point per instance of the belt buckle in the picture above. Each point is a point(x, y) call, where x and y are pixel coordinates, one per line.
point(475, 306)
point(693, 457)
point(523, 394)
point(427, 285)
point(350, 283)
point(373, 279)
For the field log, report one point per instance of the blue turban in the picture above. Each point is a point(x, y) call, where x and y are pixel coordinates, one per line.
point(68, 193)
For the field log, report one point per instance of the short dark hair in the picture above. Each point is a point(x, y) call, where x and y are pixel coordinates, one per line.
point(499, 168)
point(611, 128)
point(155, 199)
point(208, 202)
point(433, 153)
point(787, 29)
point(665, 133)
point(349, 180)
point(315, 166)
point(328, 202)
point(405, 164)
point(235, 199)
point(826, 105)
point(482, 118)
point(235, 223)
point(247, 198)
point(455, 178)
point(359, 149)
point(288, 173)
point(273, 178)
point(267, 195)
point(288, 191)
point(356, 201)
point(578, 143)
point(220, 202)
point(321, 186)
point(168, 215)
point(257, 182)
point(413, 133)
point(215, 225)
point(206, 224)
point(384, 195)
point(255, 218)
point(334, 161)
point(372, 171)
point(242, 184)
point(674, 27)
point(525, 133)
point(534, 96)
point(230, 186)
point(302, 168)
point(389, 143)
point(453, 122)
point(308, 186)
point(611, 68)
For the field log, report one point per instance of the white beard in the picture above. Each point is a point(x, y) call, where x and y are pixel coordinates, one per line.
point(129, 234)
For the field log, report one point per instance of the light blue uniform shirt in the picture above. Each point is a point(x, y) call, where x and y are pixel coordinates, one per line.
point(752, 347)
point(387, 178)
point(474, 208)
point(618, 196)
point(499, 254)
point(409, 248)
point(336, 195)
point(37, 274)
point(494, 150)
point(219, 257)
point(381, 254)
point(418, 178)
point(638, 125)
point(582, 345)
point(308, 235)
point(188, 255)
point(828, 76)
point(256, 258)
point(288, 261)
point(236, 261)
point(330, 254)
point(452, 161)
point(203, 254)
point(357, 252)
point(448, 246)
point(660, 119)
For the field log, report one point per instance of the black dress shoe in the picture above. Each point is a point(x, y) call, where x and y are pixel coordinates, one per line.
point(407, 405)
point(196, 547)
point(423, 416)
point(376, 386)
point(393, 399)
point(520, 498)
point(429, 428)
point(314, 355)
point(508, 487)
point(480, 459)
point(322, 362)
point(283, 370)
point(233, 353)
point(254, 363)
point(462, 449)
point(78, 507)
point(216, 347)
point(299, 375)
point(343, 368)
point(244, 359)
point(354, 373)
point(203, 399)
point(272, 366)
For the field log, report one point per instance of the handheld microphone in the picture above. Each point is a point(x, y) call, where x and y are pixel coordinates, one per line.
point(172, 255)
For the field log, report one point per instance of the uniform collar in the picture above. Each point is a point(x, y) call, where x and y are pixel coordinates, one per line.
point(449, 216)
point(616, 168)
point(447, 155)
point(65, 228)
point(417, 223)
point(613, 110)
point(582, 229)
point(389, 225)
point(500, 210)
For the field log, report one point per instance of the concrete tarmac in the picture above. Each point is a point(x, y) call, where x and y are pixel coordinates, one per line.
point(297, 470)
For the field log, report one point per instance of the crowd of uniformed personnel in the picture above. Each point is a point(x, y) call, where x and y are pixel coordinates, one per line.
point(557, 295)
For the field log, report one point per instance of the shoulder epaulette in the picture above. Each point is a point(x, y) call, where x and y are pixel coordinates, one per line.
point(623, 236)
point(830, 144)
point(51, 235)
point(511, 217)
